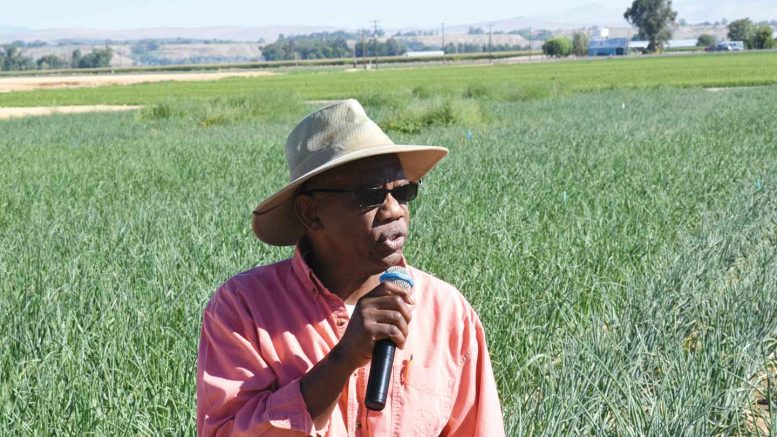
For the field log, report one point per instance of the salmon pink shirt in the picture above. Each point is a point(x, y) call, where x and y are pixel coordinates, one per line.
point(267, 327)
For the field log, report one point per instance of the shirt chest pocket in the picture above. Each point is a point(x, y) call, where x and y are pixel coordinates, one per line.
point(424, 397)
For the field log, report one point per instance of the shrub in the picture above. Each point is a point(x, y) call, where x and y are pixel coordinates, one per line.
point(557, 47)
point(422, 92)
point(475, 91)
point(580, 44)
point(706, 40)
point(762, 37)
point(267, 106)
point(423, 114)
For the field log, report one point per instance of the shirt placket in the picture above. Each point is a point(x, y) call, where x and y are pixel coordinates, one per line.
point(339, 319)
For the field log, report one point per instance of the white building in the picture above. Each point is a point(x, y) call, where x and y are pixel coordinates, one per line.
point(600, 33)
point(425, 53)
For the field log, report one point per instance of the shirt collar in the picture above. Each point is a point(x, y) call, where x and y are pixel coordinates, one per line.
point(301, 268)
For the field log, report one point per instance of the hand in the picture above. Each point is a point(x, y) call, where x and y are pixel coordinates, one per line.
point(383, 313)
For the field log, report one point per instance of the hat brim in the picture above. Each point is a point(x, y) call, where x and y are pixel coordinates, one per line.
point(274, 220)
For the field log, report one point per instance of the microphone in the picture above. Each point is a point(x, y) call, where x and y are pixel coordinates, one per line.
point(383, 352)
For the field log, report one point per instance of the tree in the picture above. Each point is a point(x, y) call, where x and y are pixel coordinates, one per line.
point(655, 19)
point(580, 44)
point(75, 58)
point(706, 40)
point(742, 30)
point(390, 47)
point(144, 46)
point(96, 59)
point(50, 62)
point(11, 58)
point(762, 37)
point(313, 46)
point(557, 47)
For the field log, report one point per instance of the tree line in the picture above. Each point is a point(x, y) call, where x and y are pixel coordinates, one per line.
point(326, 45)
point(655, 20)
point(12, 59)
point(469, 47)
point(754, 36)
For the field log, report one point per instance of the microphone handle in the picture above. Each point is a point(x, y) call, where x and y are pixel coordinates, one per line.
point(380, 375)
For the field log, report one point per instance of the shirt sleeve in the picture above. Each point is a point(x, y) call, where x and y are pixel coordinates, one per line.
point(237, 392)
point(476, 409)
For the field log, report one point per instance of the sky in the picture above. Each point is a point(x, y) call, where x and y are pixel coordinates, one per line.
point(129, 14)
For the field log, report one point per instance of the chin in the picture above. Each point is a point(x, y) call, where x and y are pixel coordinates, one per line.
point(391, 260)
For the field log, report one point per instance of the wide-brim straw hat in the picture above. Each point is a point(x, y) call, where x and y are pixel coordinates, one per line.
point(332, 136)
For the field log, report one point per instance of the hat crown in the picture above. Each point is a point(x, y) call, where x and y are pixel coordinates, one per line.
point(330, 133)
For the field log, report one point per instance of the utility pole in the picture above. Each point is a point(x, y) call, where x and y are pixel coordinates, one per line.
point(443, 39)
point(489, 43)
point(364, 51)
point(375, 35)
point(628, 41)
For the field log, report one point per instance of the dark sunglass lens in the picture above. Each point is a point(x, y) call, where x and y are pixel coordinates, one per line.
point(405, 193)
point(376, 196)
point(371, 197)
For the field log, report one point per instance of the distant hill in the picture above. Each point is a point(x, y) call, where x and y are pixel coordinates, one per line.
point(561, 21)
point(585, 16)
point(231, 33)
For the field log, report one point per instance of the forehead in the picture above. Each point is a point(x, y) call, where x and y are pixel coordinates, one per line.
point(375, 170)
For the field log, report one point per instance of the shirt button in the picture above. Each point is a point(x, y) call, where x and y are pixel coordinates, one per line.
point(340, 322)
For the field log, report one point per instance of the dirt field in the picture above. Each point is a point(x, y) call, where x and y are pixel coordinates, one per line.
point(8, 84)
point(6, 113)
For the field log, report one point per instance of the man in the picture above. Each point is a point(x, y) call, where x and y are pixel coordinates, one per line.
point(285, 348)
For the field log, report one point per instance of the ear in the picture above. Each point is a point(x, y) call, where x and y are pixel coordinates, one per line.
point(306, 209)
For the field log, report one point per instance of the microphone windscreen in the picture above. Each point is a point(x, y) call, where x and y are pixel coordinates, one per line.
point(398, 275)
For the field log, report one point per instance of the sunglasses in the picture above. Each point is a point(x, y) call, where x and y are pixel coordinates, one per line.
point(372, 197)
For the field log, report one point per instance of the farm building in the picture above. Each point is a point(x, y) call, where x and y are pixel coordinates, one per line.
point(608, 47)
point(621, 46)
point(424, 53)
point(681, 43)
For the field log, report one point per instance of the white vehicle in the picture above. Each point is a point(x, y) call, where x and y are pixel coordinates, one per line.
point(730, 46)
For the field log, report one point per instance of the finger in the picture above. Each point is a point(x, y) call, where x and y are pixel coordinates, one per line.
point(391, 289)
point(398, 290)
point(382, 331)
point(395, 318)
point(388, 303)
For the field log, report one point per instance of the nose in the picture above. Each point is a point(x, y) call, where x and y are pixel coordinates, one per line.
point(391, 209)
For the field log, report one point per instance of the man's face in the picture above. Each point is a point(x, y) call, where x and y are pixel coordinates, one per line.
point(370, 239)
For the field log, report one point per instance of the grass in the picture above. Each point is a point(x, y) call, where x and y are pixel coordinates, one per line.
point(504, 82)
point(619, 247)
point(269, 106)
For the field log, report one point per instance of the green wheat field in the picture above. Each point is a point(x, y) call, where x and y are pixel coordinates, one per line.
point(613, 222)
